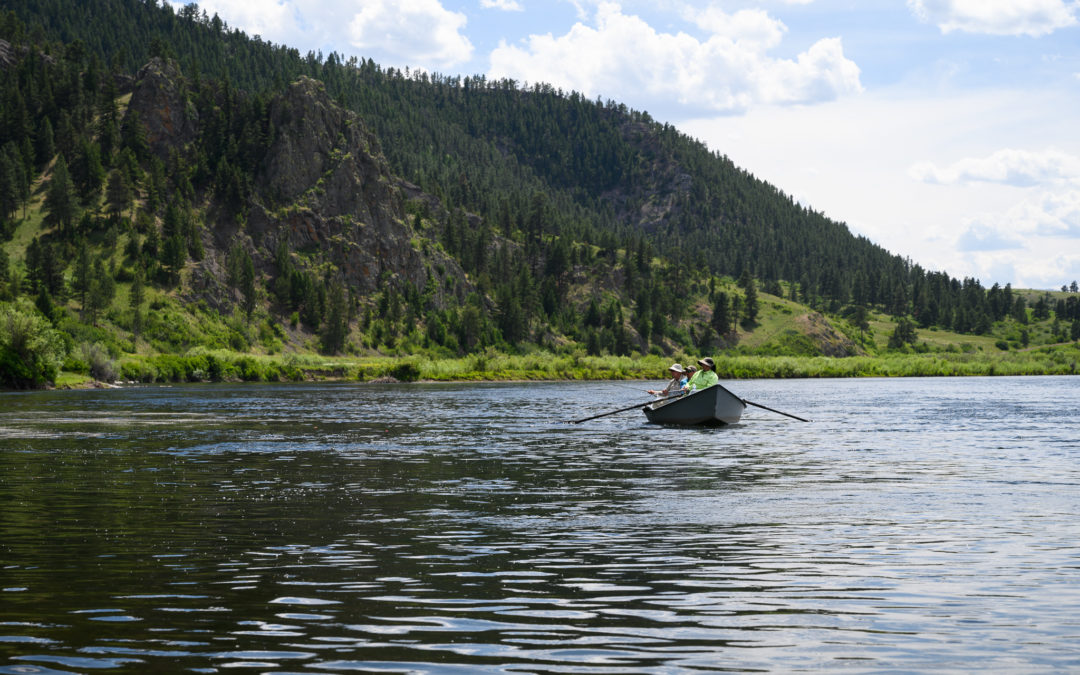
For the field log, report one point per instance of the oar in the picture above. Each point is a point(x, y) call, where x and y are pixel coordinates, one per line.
point(629, 407)
point(758, 405)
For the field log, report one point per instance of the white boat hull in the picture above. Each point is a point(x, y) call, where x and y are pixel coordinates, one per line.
point(715, 405)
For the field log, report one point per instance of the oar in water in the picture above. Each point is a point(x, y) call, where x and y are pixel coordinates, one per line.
point(765, 407)
point(629, 407)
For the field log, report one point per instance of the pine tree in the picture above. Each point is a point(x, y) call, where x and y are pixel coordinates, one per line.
point(721, 316)
point(135, 300)
point(336, 323)
point(61, 207)
point(83, 274)
point(118, 194)
point(247, 284)
point(9, 188)
point(903, 334)
point(750, 301)
point(88, 173)
point(1019, 311)
point(173, 256)
point(46, 146)
point(101, 291)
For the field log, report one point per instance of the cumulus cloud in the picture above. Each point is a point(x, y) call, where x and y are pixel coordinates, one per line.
point(269, 19)
point(411, 31)
point(622, 57)
point(1020, 168)
point(983, 237)
point(505, 5)
point(1050, 214)
point(1044, 224)
point(997, 17)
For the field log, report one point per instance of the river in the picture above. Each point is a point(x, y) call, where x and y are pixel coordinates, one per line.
point(912, 525)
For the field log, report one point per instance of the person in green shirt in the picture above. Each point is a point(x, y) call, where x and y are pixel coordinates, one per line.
point(706, 377)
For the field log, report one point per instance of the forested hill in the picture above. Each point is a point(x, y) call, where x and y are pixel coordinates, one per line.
point(270, 195)
point(490, 146)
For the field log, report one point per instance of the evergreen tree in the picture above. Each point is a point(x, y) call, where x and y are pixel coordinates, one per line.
point(45, 305)
point(61, 207)
point(1019, 311)
point(512, 321)
point(750, 300)
point(247, 284)
point(721, 317)
point(336, 323)
point(133, 136)
point(173, 256)
point(903, 334)
point(101, 292)
point(88, 173)
point(9, 188)
point(83, 274)
point(861, 318)
point(135, 300)
point(46, 146)
point(118, 194)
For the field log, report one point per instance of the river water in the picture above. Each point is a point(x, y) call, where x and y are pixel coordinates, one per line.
point(913, 525)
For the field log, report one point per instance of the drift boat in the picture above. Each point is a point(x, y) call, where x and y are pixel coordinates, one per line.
point(715, 405)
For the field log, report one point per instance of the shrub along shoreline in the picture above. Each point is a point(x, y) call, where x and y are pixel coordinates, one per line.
point(200, 365)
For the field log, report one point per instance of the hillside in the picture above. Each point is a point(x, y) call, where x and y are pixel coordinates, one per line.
point(266, 203)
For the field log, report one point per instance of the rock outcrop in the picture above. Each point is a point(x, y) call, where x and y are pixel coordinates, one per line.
point(160, 100)
point(326, 186)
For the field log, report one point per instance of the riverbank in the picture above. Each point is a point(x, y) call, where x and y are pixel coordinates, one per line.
point(224, 366)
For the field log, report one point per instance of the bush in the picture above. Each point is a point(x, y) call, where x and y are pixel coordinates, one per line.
point(31, 350)
point(406, 372)
point(100, 366)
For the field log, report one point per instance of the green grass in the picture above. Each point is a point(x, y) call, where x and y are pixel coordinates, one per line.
point(204, 365)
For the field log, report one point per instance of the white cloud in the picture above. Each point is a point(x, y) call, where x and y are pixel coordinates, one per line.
point(270, 19)
point(753, 28)
point(983, 237)
point(1020, 168)
point(505, 5)
point(1048, 214)
point(418, 32)
point(1033, 243)
point(997, 17)
point(622, 57)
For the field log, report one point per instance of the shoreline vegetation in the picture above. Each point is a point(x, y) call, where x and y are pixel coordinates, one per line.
point(201, 365)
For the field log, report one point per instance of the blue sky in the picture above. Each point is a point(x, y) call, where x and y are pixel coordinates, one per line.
point(944, 130)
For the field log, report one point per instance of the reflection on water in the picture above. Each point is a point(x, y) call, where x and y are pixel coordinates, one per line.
point(914, 525)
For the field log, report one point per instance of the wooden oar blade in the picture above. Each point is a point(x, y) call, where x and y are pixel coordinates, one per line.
point(778, 412)
point(629, 407)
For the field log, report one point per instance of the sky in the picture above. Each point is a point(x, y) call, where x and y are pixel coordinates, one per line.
point(943, 130)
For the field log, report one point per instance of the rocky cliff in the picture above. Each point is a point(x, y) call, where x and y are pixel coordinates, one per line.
point(323, 187)
point(160, 101)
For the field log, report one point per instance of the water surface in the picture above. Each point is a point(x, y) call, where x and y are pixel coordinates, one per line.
point(914, 525)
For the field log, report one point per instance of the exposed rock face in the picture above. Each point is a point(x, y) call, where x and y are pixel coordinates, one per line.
point(326, 184)
point(161, 102)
